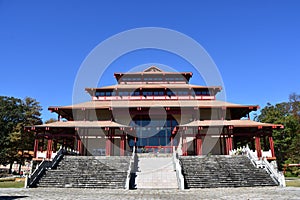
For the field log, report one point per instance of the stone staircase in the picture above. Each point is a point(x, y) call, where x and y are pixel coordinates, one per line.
point(88, 172)
point(155, 172)
point(222, 171)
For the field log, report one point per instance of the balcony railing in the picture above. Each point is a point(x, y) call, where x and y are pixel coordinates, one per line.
point(186, 97)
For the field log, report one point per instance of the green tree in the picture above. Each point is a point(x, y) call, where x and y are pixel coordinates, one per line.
point(15, 114)
point(10, 116)
point(286, 141)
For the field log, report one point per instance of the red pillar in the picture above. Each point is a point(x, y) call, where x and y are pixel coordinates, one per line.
point(198, 145)
point(36, 147)
point(228, 144)
point(184, 147)
point(49, 149)
point(122, 146)
point(79, 146)
point(272, 146)
point(257, 146)
point(108, 146)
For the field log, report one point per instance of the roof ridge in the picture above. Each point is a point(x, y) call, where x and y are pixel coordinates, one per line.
point(153, 68)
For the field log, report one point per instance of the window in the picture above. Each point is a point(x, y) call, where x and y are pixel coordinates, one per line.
point(158, 79)
point(182, 93)
point(136, 79)
point(100, 94)
point(170, 93)
point(170, 79)
point(158, 93)
point(202, 93)
point(147, 93)
point(108, 94)
point(135, 93)
point(123, 93)
point(148, 79)
point(154, 132)
point(198, 93)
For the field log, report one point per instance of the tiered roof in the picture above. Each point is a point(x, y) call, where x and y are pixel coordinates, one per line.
point(169, 103)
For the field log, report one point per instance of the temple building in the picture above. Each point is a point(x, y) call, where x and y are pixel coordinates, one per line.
point(154, 111)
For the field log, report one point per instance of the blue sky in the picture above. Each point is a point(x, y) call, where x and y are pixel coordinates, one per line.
point(255, 44)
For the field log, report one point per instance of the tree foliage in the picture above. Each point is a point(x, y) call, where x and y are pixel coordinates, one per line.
point(286, 141)
point(51, 120)
point(15, 114)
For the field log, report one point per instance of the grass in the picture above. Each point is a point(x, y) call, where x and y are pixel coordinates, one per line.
point(12, 184)
point(292, 181)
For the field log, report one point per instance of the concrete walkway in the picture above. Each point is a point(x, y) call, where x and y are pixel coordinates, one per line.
point(215, 193)
point(156, 173)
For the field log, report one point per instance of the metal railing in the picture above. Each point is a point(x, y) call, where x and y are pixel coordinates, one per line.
point(177, 166)
point(130, 169)
point(263, 163)
point(33, 178)
point(60, 154)
point(274, 173)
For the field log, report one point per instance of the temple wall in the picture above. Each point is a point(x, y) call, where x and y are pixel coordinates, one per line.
point(211, 145)
point(228, 114)
point(103, 114)
point(96, 146)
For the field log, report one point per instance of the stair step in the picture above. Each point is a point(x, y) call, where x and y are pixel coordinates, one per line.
point(88, 172)
point(222, 171)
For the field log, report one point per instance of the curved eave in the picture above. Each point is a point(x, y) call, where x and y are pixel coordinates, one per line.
point(67, 111)
point(79, 124)
point(231, 124)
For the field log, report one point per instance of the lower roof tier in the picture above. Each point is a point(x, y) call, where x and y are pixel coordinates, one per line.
point(232, 123)
point(153, 103)
point(197, 123)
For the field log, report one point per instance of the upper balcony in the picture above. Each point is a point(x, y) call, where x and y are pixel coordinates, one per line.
point(152, 94)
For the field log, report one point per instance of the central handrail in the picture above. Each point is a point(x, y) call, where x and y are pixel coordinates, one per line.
point(177, 166)
point(131, 165)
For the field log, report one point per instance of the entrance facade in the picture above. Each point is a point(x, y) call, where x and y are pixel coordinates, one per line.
point(153, 135)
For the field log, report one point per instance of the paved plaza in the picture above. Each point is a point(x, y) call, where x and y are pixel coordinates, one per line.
point(217, 193)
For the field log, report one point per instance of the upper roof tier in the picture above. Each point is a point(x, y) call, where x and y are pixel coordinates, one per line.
point(154, 75)
point(154, 79)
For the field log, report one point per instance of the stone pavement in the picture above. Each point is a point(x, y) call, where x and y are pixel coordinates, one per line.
point(216, 193)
